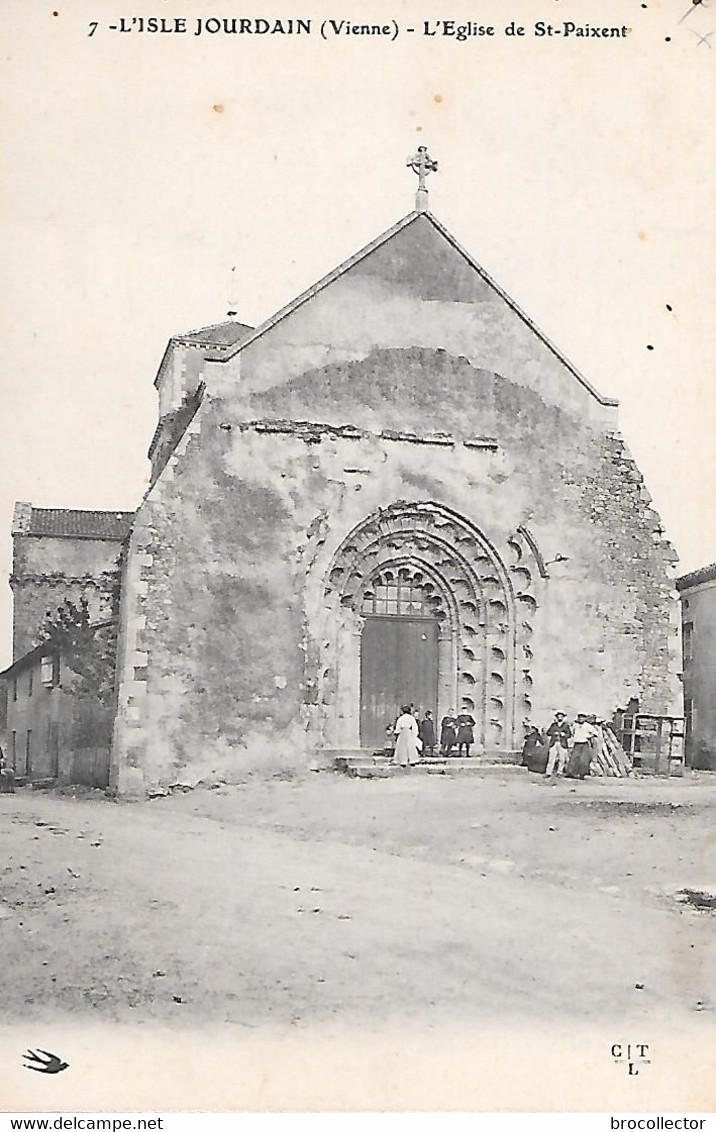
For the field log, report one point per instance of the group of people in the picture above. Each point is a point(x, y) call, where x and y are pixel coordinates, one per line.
point(414, 736)
point(564, 749)
point(457, 731)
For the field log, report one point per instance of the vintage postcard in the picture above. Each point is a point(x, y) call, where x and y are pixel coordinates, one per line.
point(357, 539)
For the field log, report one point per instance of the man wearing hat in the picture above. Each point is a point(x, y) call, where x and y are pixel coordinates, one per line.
point(558, 733)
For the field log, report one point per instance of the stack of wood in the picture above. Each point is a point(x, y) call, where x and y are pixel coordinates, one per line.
point(609, 759)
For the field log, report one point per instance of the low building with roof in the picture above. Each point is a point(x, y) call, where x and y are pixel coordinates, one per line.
point(58, 718)
point(698, 634)
point(59, 690)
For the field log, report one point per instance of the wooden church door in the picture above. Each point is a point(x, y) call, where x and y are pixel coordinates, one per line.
point(399, 665)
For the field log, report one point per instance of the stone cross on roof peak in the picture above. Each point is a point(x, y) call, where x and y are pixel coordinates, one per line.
point(422, 163)
point(233, 297)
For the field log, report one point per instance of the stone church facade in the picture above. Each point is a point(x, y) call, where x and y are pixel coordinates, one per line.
point(396, 489)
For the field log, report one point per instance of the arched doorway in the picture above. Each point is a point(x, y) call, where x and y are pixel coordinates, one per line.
point(419, 570)
point(399, 653)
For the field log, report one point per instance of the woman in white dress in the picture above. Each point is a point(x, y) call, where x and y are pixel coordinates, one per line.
point(408, 744)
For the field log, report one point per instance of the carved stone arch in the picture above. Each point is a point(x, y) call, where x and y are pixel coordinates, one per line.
point(478, 595)
point(448, 612)
point(528, 571)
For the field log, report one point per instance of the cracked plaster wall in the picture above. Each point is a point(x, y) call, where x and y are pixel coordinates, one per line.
point(224, 617)
point(414, 290)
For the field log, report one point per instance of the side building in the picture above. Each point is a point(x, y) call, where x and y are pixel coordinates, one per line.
point(698, 633)
point(61, 554)
point(59, 690)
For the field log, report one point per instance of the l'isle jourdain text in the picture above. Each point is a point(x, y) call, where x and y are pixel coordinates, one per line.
point(344, 29)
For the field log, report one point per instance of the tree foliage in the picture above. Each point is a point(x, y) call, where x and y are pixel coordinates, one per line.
point(90, 651)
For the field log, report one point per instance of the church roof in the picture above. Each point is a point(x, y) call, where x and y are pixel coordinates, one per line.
point(229, 333)
point(225, 352)
point(63, 522)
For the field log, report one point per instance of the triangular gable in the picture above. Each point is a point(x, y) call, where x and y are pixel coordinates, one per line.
point(465, 288)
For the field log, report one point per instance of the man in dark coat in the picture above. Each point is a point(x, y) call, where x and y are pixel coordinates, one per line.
point(448, 734)
point(559, 733)
point(427, 733)
point(465, 733)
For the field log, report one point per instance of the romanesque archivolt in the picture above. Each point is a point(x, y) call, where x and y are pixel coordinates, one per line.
point(481, 600)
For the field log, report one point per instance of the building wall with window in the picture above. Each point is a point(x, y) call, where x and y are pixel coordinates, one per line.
point(698, 628)
point(36, 712)
point(50, 732)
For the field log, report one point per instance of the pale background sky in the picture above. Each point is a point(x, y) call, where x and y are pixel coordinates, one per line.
point(137, 169)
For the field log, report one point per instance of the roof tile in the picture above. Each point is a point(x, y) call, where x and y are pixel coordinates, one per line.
point(61, 522)
point(219, 334)
point(704, 574)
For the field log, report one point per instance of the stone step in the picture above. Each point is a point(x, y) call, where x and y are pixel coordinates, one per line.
point(384, 767)
point(367, 755)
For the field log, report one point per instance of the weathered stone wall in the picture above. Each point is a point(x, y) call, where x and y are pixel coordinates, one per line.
point(209, 583)
point(414, 290)
point(48, 570)
point(225, 620)
point(171, 428)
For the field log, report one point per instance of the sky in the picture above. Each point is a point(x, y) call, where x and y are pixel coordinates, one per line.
point(139, 168)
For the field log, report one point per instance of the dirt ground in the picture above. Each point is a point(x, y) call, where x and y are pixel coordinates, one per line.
point(420, 898)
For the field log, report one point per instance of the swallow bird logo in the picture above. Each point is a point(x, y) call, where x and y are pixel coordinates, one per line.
point(47, 1063)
